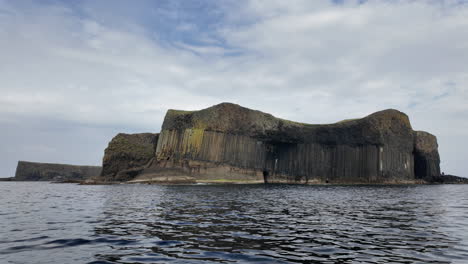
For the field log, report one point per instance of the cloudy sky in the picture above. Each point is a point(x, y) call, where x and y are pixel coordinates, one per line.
point(74, 73)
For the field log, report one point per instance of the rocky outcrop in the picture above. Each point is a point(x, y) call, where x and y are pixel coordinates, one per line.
point(447, 179)
point(230, 143)
point(7, 179)
point(127, 155)
point(426, 156)
point(35, 171)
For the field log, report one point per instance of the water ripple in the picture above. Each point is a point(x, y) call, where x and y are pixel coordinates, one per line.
point(48, 223)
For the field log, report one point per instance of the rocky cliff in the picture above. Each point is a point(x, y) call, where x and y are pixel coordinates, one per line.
point(35, 171)
point(426, 156)
point(126, 155)
point(228, 142)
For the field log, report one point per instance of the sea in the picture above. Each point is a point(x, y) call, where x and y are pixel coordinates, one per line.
point(42, 222)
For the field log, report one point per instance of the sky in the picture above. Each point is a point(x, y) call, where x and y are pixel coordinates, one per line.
point(74, 73)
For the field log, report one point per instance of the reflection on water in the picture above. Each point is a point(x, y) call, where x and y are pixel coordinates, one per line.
point(64, 223)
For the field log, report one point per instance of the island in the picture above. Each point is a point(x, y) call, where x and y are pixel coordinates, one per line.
point(228, 143)
point(36, 171)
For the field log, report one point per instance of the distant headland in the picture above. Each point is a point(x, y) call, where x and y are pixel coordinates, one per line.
point(36, 171)
point(228, 143)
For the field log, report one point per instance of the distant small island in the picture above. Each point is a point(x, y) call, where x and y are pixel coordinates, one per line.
point(228, 143)
point(37, 171)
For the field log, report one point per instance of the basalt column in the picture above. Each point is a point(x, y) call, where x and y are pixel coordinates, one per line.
point(426, 156)
point(230, 142)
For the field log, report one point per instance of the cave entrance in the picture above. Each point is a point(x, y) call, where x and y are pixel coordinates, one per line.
point(420, 166)
point(278, 159)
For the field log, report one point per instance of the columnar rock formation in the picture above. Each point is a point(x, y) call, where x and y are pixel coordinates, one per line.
point(35, 171)
point(228, 142)
point(127, 155)
point(426, 156)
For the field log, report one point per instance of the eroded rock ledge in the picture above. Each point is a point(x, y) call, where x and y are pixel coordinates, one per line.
point(230, 143)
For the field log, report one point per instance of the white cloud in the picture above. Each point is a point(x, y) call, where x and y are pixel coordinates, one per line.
point(310, 61)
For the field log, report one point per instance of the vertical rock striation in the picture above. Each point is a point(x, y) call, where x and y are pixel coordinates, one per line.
point(426, 156)
point(228, 142)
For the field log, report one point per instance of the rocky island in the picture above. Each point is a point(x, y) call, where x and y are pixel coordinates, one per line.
point(35, 171)
point(231, 143)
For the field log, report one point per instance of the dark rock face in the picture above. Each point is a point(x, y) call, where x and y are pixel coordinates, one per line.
point(7, 179)
point(228, 142)
point(127, 155)
point(447, 179)
point(426, 156)
point(35, 171)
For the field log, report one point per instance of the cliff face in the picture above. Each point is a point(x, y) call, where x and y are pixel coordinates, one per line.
point(426, 156)
point(228, 142)
point(126, 155)
point(35, 171)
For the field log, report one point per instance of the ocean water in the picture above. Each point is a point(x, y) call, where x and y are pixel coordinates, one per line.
point(66, 223)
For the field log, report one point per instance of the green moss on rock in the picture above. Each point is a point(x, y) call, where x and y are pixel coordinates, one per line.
point(126, 155)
